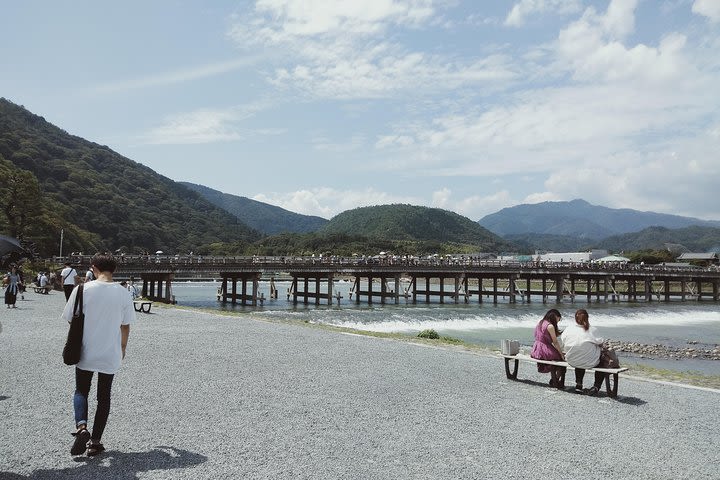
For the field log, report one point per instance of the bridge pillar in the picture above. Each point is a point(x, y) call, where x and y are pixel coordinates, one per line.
point(153, 280)
point(245, 279)
point(528, 289)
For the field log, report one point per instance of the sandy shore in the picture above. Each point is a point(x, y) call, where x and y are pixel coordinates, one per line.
point(203, 395)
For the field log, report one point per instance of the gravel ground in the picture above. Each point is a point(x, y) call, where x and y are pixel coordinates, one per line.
point(205, 396)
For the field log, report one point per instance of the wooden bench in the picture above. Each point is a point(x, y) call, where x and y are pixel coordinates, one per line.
point(42, 289)
point(142, 305)
point(611, 374)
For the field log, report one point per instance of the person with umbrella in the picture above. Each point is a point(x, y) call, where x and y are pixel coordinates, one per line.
point(13, 282)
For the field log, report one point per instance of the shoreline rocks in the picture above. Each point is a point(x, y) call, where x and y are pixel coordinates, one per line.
point(695, 351)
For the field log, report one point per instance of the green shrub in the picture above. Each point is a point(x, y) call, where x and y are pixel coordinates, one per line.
point(429, 333)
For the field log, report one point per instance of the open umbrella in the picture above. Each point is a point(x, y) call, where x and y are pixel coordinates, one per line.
point(9, 244)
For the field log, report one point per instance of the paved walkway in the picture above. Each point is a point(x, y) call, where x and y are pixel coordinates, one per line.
point(207, 396)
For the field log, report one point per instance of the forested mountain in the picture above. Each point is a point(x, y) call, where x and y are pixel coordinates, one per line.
point(408, 222)
point(691, 239)
point(52, 180)
point(532, 242)
point(263, 217)
point(578, 218)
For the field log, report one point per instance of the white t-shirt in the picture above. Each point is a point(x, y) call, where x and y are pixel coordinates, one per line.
point(106, 306)
point(581, 347)
point(68, 276)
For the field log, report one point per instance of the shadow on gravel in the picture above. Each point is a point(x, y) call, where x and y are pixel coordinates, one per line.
point(118, 465)
point(601, 394)
point(3, 397)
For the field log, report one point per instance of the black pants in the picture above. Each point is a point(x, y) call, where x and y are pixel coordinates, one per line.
point(580, 374)
point(68, 290)
point(83, 379)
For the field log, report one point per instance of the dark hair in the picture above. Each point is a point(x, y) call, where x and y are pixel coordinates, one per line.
point(582, 318)
point(104, 262)
point(553, 316)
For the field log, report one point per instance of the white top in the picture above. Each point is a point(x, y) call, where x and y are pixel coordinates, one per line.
point(581, 347)
point(106, 306)
point(68, 275)
point(43, 280)
point(89, 276)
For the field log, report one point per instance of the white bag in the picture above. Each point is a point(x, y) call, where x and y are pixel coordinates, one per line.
point(510, 347)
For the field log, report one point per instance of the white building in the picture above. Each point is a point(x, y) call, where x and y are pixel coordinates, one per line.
point(570, 257)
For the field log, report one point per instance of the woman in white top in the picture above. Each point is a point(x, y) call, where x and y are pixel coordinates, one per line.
point(583, 349)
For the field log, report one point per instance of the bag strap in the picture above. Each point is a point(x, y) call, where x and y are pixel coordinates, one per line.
point(78, 300)
point(66, 276)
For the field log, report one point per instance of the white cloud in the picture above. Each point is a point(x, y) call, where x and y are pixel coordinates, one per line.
point(441, 198)
point(593, 48)
point(178, 76)
point(327, 202)
point(206, 126)
point(707, 8)
point(526, 8)
point(348, 49)
point(618, 99)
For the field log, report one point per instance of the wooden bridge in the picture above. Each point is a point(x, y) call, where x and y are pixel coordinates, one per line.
point(457, 279)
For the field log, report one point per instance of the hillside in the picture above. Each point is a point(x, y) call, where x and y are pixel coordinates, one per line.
point(531, 242)
point(408, 222)
point(101, 199)
point(691, 239)
point(265, 218)
point(579, 218)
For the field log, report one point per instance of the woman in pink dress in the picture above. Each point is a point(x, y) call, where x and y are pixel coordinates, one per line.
point(547, 345)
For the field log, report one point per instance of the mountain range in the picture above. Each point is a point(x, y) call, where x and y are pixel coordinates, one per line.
point(580, 219)
point(263, 217)
point(52, 182)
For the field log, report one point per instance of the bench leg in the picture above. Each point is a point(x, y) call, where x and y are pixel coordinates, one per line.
point(511, 375)
point(611, 387)
point(148, 308)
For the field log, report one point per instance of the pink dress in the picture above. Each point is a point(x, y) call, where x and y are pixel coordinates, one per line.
point(543, 348)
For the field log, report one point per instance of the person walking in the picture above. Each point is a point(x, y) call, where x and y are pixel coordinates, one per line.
point(108, 313)
point(13, 282)
point(68, 275)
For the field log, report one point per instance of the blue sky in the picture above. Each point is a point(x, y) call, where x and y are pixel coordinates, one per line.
point(320, 106)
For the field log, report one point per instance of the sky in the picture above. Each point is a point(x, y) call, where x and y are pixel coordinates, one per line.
point(321, 106)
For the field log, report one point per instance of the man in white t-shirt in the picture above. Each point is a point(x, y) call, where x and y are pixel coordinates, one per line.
point(108, 313)
point(68, 275)
point(45, 283)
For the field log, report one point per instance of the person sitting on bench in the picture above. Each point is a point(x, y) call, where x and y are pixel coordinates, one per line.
point(583, 349)
point(547, 346)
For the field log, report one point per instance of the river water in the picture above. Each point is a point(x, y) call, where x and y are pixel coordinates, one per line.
point(675, 324)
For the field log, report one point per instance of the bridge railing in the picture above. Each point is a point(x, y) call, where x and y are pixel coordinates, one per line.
point(162, 261)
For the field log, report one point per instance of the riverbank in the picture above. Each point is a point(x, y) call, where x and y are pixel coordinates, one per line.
point(208, 395)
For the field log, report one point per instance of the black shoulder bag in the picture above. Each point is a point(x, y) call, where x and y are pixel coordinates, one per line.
point(73, 344)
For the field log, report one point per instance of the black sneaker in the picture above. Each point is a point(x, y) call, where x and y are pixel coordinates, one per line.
point(80, 444)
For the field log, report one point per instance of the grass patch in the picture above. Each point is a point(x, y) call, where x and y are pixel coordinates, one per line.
point(694, 378)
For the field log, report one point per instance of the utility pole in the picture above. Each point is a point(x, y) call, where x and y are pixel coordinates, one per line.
point(62, 233)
